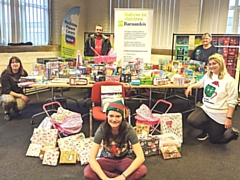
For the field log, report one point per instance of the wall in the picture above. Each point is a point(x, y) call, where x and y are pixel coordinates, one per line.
point(93, 12)
point(59, 9)
point(189, 16)
point(27, 58)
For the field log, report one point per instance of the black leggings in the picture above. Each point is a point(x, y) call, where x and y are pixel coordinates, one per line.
point(200, 94)
point(217, 132)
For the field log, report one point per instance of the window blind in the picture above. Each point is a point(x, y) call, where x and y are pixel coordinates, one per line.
point(165, 18)
point(214, 16)
point(24, 21)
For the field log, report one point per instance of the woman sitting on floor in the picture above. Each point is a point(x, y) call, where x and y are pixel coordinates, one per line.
point(12, 96)
point(220, 95)
point(116, 133)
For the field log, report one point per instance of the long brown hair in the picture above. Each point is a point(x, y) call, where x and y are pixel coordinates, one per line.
point(9, 67)
point(120, 140)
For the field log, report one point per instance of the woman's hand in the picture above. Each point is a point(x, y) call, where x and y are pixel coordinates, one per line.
point(188, 91)
point(228, 123)
point(25, 98)
point(120, 177)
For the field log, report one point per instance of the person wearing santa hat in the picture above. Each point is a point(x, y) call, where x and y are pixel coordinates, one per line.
point(215, 116)
point(116, 136)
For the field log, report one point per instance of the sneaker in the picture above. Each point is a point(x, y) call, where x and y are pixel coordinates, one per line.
point(203, 136)
point(235, 131)
point(18, 113)
point(199, 104)
point(7, 117)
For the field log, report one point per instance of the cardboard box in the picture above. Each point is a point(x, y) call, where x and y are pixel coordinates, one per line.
point(142, 129)
point(169, 139)
point(170, 152)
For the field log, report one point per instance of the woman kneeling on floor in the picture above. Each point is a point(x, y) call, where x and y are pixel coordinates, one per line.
point(116, 133)
point(220, 95)
point(12, 96)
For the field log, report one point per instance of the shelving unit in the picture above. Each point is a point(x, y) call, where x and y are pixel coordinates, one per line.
point(227, 44)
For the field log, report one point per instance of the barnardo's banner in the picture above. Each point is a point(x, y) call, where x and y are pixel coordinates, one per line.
point(69, 33)
point(133, 34)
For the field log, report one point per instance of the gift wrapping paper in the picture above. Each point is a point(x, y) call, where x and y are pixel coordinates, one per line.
point(50, 157)
point(34, 150)
point(45, 137)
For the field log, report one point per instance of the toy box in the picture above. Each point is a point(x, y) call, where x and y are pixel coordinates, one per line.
point(105, 59)
point(169, 139)
point(170, 152)
point(146, 81)
point(150, 145)
point(68, 157)
point(135, 82)
point(126, 78)
point(142, 129)
point(113, 78)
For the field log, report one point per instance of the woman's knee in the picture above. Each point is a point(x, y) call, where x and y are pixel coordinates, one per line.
point(21, 104)
point(88, 173)
point(143, 170)
point(214, 140)
point(191, 119)
point(196, 118)
point(139, 173)
point(21, 107)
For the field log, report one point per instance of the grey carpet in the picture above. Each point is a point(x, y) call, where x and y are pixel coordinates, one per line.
point(200, 160)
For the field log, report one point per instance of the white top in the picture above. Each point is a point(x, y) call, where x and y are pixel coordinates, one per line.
point(218, 95)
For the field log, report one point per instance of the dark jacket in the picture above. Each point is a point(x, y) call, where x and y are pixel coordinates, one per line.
point(90, 42)
point(10, 82)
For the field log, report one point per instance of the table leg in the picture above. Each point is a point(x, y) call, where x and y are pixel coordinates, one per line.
point(52, 93)
point(150, 97)
point(195, 98)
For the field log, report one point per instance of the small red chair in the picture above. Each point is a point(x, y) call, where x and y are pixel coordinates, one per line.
point(96, 109)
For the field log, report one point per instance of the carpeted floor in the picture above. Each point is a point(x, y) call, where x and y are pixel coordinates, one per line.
point(200, 159)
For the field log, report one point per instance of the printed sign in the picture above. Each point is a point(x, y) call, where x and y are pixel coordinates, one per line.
point(69, 33)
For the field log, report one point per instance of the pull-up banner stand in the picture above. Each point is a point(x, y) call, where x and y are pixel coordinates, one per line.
point(69, 33)
point(133, 34)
